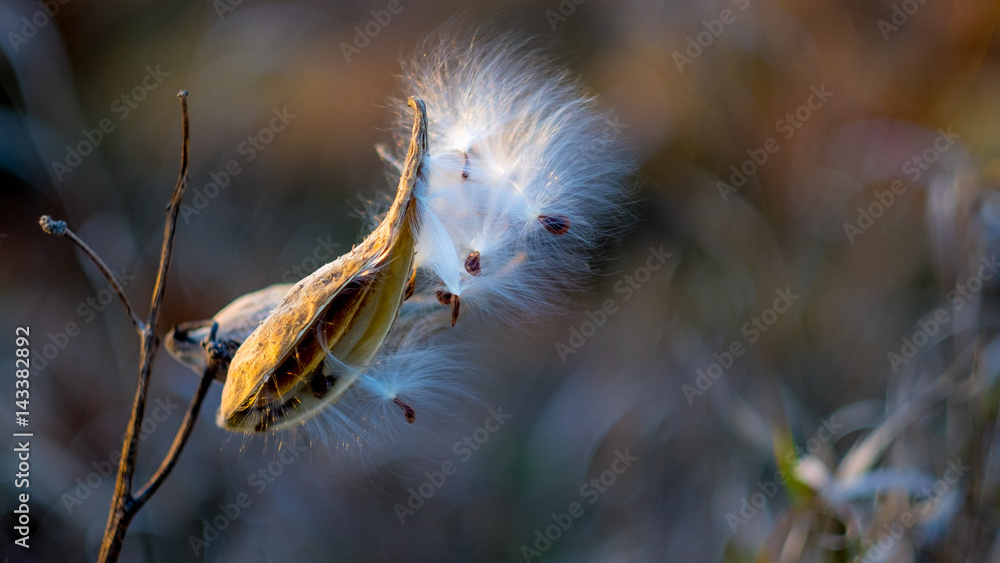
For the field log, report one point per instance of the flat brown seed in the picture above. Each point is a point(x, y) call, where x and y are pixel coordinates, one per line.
point(411, 285)
point(555, 223)
point(472, 263)
point(443, 297)
point(454, 309)
point(408, 411)
point(465, 168)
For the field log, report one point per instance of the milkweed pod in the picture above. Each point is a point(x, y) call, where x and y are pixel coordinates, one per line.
point(313, 345)
point(187, 341)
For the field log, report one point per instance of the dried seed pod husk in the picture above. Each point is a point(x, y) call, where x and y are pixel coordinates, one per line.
point(312, 347)
point(236, 321)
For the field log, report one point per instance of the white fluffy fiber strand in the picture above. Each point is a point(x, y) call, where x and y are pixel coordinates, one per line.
point(514, 147)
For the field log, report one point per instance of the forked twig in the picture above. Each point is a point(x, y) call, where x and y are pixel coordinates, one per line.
point(183, 433)
point(59, 228)
point(125, 504)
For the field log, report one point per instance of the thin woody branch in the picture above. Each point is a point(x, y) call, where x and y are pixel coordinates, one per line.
point(173, 208)
point(180, 440)
point(124, 505)
point(215, 364)
point(59, 228)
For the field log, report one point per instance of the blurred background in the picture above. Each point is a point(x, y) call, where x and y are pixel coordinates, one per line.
point(810, 375)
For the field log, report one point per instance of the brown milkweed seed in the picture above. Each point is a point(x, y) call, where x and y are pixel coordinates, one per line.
point(472, 264)
point(411, 285)
point(408, 411)
point(555, 223)
point(446, 298)
point(443, 297)
point(454, 309)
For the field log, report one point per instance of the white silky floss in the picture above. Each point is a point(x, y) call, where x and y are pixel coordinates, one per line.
point(519, 186)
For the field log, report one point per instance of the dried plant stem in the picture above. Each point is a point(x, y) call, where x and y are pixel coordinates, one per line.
point(125, 504)
point(59, 228)
point(187, 425)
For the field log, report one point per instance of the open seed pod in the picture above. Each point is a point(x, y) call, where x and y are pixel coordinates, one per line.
point(315, 342)
point(191, 344)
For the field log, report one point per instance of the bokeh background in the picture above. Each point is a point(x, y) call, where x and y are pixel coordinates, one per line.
point(813, 444)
